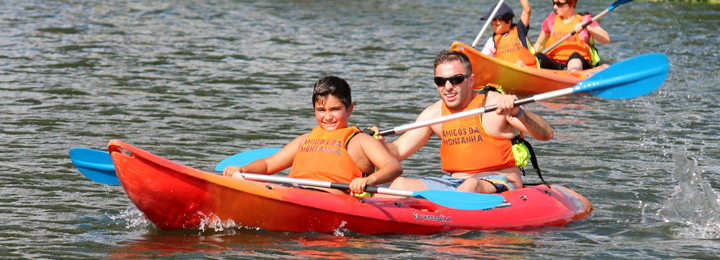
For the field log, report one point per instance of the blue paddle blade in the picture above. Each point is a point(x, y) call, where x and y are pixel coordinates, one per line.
point(630, 78)
point(461, 200)
point(246, 157)
point(95, 165)
point(98, 166)
point(618, 3)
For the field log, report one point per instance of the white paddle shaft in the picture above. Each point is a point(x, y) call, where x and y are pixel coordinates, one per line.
point(473, 112)
point(322, 184)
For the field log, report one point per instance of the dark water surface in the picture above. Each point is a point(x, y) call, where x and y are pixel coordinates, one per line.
point(196, 81)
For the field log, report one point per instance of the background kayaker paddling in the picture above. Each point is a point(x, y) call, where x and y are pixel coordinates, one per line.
point(482, 153)
point(332, 151)
point(510, 41)
point(574, 53)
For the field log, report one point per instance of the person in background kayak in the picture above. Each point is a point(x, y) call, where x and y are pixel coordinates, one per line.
point(332, 151)
point(577, 52)
point(510, 41)
point(481, 153)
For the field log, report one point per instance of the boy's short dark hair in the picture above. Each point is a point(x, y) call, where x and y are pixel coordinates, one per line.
point(331, 85)
point(446, 56)
point(504, 19)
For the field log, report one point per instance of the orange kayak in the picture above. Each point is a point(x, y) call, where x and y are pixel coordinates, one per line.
point(517, 79)
point(174, 197)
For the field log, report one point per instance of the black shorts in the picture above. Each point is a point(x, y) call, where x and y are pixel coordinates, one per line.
point(548, 63)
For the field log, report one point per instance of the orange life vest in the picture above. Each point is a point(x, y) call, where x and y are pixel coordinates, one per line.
point(562, 52)
point(509, 48)
point(467, 147)
point(324, 156)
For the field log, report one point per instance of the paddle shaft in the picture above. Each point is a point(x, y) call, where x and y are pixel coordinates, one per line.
point(323, 184)
point(472, 112)
point(614, 81)
point(482, 31)
point(450, 199)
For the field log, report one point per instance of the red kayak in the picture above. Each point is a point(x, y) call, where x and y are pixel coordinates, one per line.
point(174, 197)
point(520, 80)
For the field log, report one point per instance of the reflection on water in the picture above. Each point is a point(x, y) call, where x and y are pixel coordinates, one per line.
point(251, 243)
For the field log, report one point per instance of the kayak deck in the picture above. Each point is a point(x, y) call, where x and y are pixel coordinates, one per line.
point(520, 79)
point(174, 197)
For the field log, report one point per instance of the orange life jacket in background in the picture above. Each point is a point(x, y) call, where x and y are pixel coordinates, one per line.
point(562, 52)
point(509, 48)
point(324, 156)
point(467, 147)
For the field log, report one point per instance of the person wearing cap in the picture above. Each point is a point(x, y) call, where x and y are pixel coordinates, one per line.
point(577, 52)
point(510, 41)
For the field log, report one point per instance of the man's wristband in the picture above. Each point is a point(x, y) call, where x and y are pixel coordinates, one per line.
point(518, 114)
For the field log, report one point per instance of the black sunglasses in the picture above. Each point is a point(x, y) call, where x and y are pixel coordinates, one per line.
point(456, 79)
point(559, 4)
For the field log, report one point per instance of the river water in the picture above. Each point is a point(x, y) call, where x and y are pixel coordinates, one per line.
point(196, 81)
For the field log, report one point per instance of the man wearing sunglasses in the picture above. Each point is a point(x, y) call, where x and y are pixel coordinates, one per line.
point(482, 153)
point(510, 41)
point(575, 53)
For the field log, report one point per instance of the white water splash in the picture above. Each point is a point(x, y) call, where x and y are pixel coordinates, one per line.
point(339, 230)
point(132, 216)
point(214, 222)
point(694, 202)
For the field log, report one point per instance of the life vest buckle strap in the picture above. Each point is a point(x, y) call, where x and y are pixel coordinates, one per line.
point(533, 159)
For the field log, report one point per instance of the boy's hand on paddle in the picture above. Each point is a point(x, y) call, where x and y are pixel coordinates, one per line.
point(358, 185)
point(232, 170)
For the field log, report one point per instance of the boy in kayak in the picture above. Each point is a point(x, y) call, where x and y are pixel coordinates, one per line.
point(332, 151)
point(510, 41)
point(577, 52)
point(481, 153)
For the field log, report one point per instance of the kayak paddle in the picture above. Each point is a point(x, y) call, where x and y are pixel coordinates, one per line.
point(612, 6)
point(450, 199)
point(630, 78)
point(98, 166)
